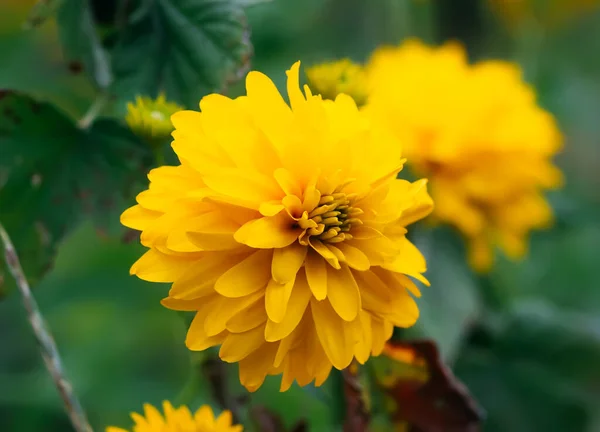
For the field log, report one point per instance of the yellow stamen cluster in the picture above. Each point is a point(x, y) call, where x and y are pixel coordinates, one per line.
point(332, 219)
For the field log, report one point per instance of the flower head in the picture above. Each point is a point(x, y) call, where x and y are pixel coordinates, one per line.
point(151, 119)
point(342, 76)
point(180, 420)
point(284, 230)
point(477, 132)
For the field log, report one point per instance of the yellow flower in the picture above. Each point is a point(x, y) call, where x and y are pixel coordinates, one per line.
point(284, 229)
point(151, 119)
point(342, 76)
point(477, 132)
point(547, 13)
point(180, 420)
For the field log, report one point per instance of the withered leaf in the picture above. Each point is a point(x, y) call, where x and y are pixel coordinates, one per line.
point(423, 393)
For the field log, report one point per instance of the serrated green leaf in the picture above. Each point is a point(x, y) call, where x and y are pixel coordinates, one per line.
point(81, 45)
point(52, 174)
point(188, 48)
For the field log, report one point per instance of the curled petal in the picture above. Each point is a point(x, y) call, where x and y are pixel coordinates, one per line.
point(268, 232)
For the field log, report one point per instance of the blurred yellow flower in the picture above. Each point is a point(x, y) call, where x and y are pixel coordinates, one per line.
point(547, 13)
point(284, 229)
point(180, 420)
point(342, 76)
point(478, 134)
point(151, 119)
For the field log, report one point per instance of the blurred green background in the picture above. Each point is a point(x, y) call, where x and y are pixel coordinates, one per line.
point(525, 340)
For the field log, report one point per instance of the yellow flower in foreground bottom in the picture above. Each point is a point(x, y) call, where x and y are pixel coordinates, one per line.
point(342, 76)
point(151, 119)
point(180, 420)
point(478, 134)
point(284, 229)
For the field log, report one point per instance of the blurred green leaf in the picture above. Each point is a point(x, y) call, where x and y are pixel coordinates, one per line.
point(52, 173)
point(81, 45)
point(41, 11)
point(537, 372)
point(451, 303)
point(188, 48)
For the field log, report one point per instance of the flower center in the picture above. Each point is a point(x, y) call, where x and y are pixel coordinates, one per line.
point(332, 219)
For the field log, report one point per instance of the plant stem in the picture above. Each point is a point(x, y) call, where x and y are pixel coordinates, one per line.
point(44, 337)
point(93, 111)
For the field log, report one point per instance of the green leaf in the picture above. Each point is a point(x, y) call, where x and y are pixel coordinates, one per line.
point(451, 303)
point(52, 174)
point(188, 48)
point(538, 371)
point(41, 11)
point(81, 45)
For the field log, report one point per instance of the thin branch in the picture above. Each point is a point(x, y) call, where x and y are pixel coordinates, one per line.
point(44, 337)
point(93, 112)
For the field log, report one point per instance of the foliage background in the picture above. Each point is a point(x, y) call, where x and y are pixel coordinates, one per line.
point(525, 340)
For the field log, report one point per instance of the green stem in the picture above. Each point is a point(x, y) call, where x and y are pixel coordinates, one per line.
point(338, 396)
point(159, 156)
point(93, 111)
point(45, 340)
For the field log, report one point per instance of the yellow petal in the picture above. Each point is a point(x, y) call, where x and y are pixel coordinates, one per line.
point(139, 218)
point(364, 232)
point(354, 257)
point(226, 308)
point(293, 205)
point(199, 279)
point(284, 347)
point(293, 86)
point(409, 261)
point(480, 254)
point(404, 311)
point(363, 347)
point(254, 368)
point(287, 182)
point(287, 261)
point(377, 249)
point(408, 284)
point(379, 336)
point(311, 198)
point(252, 317)
point(325, 252)
point(343, 293)
point(376, 296)
point(334, 338)
point(213, 241)
point(155, 266)
point(182, 305)
point(296, 308)
point(268, 232)
point(152, 415)
point(270, 111)
point(316, 274)
point(422, 204)
point(224, 420)
point(197, 339)
point(277, 297)
point(270, 208)
point(238, 346)
point(209, 222)
point(247, 277)
point(204, 414)
point(249, 187)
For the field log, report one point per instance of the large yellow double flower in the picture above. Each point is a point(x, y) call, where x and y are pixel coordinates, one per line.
point(284, 229)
